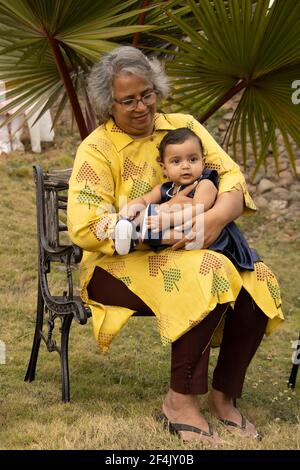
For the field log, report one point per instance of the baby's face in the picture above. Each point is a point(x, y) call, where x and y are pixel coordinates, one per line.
point(183, 163)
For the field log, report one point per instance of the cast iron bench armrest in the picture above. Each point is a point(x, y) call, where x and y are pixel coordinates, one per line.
point(55, 254)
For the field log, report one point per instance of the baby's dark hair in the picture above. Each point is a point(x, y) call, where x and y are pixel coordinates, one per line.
point(177, 136)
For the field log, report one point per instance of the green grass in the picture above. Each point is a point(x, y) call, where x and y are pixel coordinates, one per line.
point(115, 397)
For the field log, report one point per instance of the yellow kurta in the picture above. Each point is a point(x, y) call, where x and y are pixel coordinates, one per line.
point(181, 287)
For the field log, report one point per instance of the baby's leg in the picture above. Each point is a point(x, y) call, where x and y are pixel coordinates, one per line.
point(156, 240)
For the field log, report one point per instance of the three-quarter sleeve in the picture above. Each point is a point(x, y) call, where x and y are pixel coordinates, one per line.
point(91, 201)
point(216, 158)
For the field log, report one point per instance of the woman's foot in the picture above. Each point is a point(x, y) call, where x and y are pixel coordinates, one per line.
point(222, 407)
point(183, 409)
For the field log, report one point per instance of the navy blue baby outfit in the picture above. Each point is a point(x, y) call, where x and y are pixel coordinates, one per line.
point(231, 242)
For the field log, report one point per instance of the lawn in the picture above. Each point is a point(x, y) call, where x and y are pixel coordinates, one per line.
point(114, 398)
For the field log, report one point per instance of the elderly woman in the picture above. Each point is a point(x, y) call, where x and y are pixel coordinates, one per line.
point(192, 293)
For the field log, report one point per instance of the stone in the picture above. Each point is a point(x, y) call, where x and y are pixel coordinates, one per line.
point(261, 202)
point(258, 177)
point(277, 205)
point(295, 195)
point(282, 193)
point(222, 126)
point(251, 188)
point(285, 182)
point(295, 206)
point(265, 185)
point(287, 176)
point(269, 196)
point(228, 116)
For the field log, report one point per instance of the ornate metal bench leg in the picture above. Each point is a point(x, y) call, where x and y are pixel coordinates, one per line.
point(30, 374)
point(65, 329)
point(293, 376)
point(295, 366)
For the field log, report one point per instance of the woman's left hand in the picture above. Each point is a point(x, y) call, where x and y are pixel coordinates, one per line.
point(205, 230)
point(208, 226)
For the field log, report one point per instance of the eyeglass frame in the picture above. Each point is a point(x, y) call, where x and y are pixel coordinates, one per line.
point(136, 100)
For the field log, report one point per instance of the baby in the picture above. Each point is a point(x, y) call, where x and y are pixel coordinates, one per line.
point(181, 158)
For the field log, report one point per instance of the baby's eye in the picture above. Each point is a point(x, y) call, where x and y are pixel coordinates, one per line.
point(194, 159)
point(175, 161)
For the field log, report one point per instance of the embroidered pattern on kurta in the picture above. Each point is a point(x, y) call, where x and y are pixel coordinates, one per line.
point(265, 274)
point(86, 173)
point(88, 196)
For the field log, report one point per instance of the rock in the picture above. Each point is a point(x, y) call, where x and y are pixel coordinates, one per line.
point(270, 196)
point(282, 193)
point(258, 177)
point(285, 182)
point(264, 186)
point(277, 205)
point(228, 116)
point(222, 126)
point(286, 177)
point(283, 165)
point(295, 195)
point(295, 206)
point(261, 202)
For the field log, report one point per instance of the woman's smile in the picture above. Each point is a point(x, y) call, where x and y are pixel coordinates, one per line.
point(142, 117)
point(140, 121)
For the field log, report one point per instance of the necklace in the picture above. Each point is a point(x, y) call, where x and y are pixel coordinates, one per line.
point(169, 192)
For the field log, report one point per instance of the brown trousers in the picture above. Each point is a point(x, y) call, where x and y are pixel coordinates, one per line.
point(243, 332)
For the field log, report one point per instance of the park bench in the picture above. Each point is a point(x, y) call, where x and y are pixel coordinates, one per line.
point(51, 205)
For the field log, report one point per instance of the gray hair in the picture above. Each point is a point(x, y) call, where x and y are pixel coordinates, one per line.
point(124, 59)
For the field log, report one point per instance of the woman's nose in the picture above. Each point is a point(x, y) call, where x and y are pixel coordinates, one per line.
point(140, 106)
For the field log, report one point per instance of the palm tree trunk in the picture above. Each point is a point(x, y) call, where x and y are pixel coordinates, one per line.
point(227, 96)
point(141, 19)
point(64, 74)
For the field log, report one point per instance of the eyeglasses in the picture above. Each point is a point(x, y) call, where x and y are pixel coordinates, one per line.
point(131, 103)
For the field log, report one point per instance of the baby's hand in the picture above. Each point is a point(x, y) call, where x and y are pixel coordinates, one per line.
point(127, 212)
point(131, 210)
point(159, 222)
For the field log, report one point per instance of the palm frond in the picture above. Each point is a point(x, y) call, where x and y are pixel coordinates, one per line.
point(244, 47)
point(58, 39)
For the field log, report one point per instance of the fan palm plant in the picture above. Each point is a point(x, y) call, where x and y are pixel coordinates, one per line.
point(243, 48)
point(48, 46)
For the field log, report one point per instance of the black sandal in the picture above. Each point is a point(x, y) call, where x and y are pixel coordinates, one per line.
point(242, 427)
point(175, 428)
